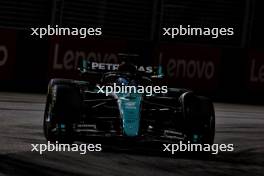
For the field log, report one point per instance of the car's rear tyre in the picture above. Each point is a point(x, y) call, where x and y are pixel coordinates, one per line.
point(199, 119)
point(63, 107)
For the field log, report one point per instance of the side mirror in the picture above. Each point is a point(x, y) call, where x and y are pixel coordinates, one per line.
point(158, 73)
point(84, 66)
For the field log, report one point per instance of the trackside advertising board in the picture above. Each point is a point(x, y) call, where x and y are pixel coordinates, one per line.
point(255, 70)
point(188, 66)
point(7, 54)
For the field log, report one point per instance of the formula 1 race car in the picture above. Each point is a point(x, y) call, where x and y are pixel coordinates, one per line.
point(76, 108)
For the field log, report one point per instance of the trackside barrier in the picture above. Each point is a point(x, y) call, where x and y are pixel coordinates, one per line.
point(27, 63)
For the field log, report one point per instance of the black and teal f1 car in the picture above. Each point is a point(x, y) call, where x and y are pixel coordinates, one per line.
point(77, 108)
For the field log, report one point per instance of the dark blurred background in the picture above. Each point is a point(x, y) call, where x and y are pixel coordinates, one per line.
point(229, 68)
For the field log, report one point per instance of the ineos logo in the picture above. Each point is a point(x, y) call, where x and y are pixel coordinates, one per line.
point(3, 55)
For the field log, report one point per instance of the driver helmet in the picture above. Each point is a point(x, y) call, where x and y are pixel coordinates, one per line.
point(122, 81)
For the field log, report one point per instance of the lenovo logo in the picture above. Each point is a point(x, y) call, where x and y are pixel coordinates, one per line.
point(256, 71)
point(191, 69)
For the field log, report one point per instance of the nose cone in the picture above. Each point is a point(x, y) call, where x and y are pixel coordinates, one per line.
point(130, 113)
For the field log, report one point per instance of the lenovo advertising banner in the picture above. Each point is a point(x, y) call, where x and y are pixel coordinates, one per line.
point(255, 70)
point(194, 67)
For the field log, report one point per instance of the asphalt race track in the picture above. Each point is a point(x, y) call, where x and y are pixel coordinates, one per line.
point(21, 125)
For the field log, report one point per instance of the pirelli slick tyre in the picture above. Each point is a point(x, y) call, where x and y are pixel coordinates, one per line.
point(199, 118)
point(63, 107)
